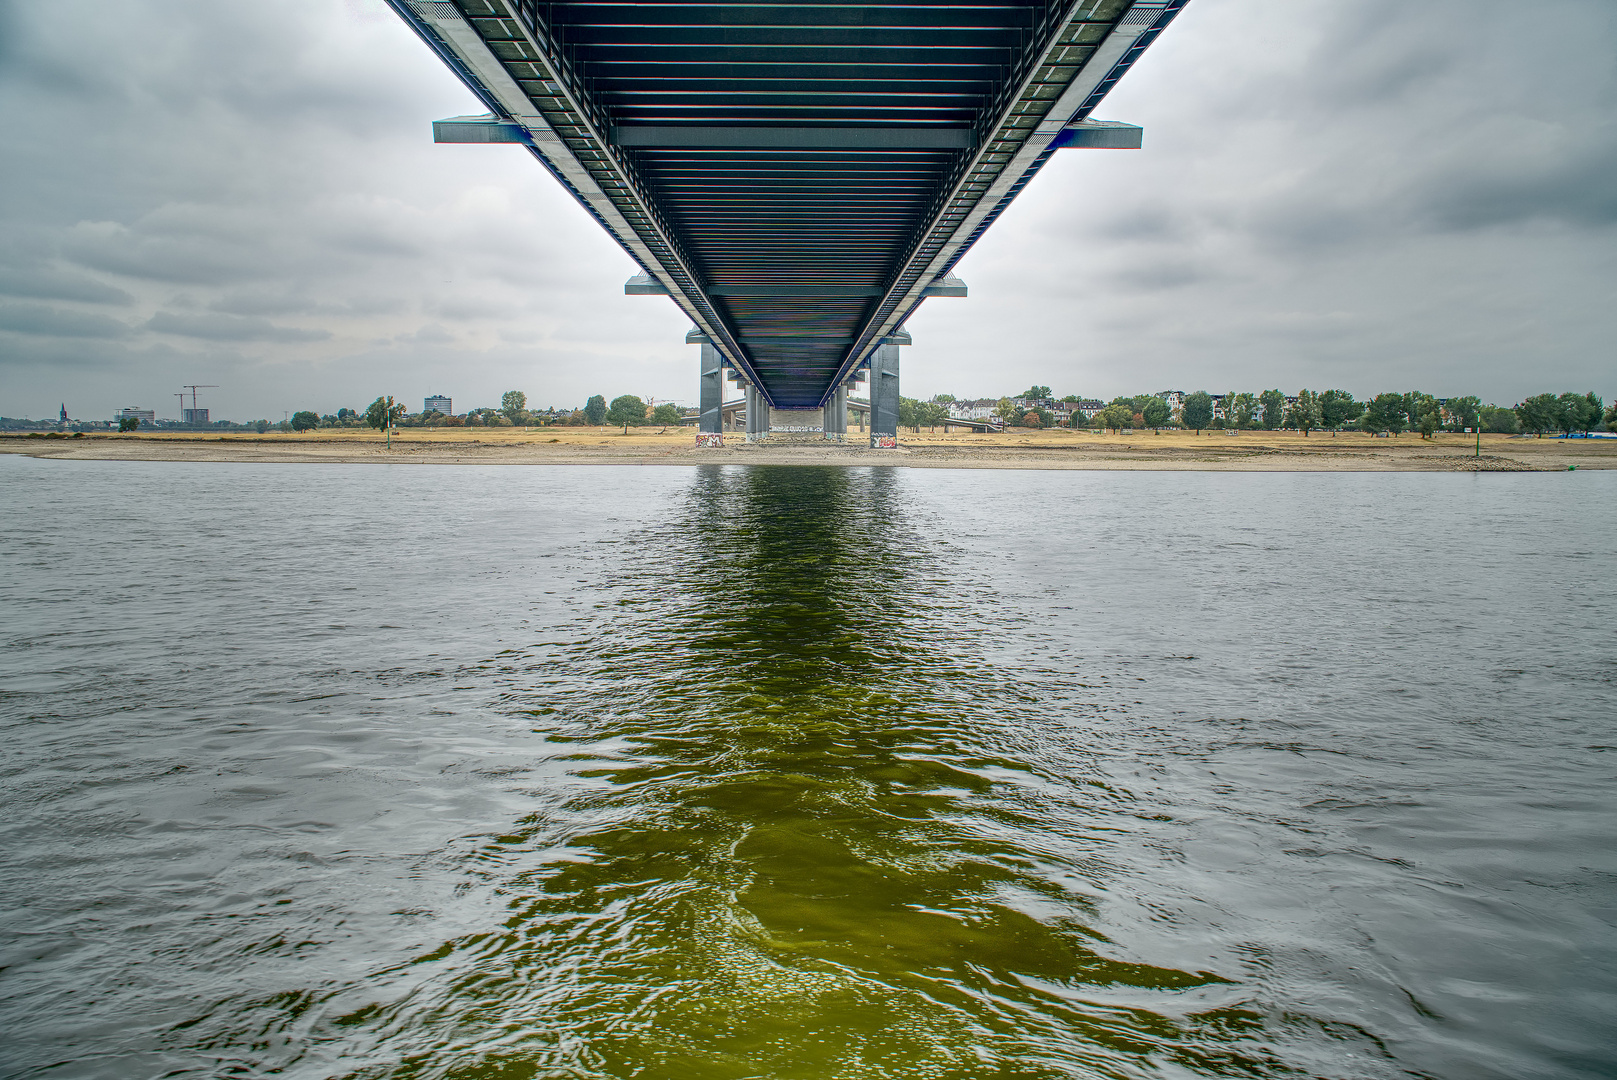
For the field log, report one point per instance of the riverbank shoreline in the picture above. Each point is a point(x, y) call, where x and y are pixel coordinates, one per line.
point(1212, 451)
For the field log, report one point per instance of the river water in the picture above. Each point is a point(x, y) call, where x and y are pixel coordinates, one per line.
point(732, 772)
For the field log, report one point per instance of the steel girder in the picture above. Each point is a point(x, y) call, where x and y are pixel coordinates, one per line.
point(796, 177)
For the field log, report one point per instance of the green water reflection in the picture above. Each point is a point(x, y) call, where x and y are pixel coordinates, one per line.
point(814, 831)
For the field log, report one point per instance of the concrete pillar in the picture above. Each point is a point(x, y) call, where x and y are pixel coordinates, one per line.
point(836, 415)
point(711, 421)
point(884, 396)
point(757, 414)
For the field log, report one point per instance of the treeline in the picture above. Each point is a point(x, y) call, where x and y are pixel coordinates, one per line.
point(626, 411)
point(1308, 410)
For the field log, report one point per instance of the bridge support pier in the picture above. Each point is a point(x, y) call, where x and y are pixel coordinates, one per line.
point(757, 415)
point(710, 421)
point(836, 415)
point(884, 394)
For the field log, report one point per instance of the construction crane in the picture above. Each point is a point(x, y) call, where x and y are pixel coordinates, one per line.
point(193, 387)
point(181, 396)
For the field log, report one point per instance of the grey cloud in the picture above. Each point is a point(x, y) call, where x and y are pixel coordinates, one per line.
point(432, 334)
point(109, 359)
point(470, 309)
point(196, 259)
point(215, 327)
point(1159, 274)
point(56, 322)
point(44, 283)
point(1568, 176)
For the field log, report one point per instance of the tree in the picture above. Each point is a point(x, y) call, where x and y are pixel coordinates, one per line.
point(1304, 414)
point(384, 413)
point(1387, 412)
point(1238, 409)
point(303, 421)
point(1036, 393)
point(932, 413)
point(1581, 413)
point(1540, 413)
point(1428, 415)
point(667, 415)
point(1611, 417)
point(261, 427)
point(1417, 406)
point(1499, 421)
point(129, 423)
point(944, 399)
point(1463, 413)
point(595, 411)
point(907, 413)
point(1273, 403)
point(1006, 411)
point(514, 404)
point(1197, 412)
point(626, 409)
point(1337, 407)
point(344, 415)
point(1156, 413)
point(1117, 415)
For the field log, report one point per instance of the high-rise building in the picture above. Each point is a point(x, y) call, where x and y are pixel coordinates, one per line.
point(145, 416)
point(437, 403)
point(194, 416)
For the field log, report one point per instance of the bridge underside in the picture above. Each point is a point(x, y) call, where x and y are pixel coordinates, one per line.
point(797, 177)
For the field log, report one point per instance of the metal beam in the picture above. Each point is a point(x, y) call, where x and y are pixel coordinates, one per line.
point(582, 158)
point(487, 128)
point(794, 138)
point(646, 285)
point(1016, 139)
point(1099, 135)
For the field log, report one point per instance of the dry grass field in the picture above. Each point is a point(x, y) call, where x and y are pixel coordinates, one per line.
point(1265, 451)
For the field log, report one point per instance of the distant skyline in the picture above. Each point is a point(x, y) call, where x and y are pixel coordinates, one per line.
point(1362, 194)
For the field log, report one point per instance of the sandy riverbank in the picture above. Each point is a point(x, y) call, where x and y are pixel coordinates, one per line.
point(1266, 451)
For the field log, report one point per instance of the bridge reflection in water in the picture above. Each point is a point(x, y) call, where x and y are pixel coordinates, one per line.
point(813, 830)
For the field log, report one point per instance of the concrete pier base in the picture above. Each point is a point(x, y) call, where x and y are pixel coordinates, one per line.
point(710, 421)
point(835, 418)
point(884, 396)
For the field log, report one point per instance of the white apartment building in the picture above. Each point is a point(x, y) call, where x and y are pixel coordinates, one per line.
point(981, 409)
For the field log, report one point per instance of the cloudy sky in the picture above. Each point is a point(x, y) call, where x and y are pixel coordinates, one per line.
point(1333, 193)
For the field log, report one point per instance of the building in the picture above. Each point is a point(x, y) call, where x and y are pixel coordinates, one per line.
point(145, 416)
point(438, 403)
point(193, 416)
point(1174, 398)
point(981, 409)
